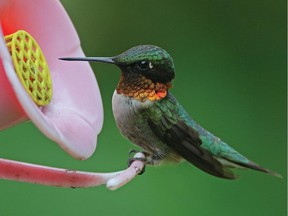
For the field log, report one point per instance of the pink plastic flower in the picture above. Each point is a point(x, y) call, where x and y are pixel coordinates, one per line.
point(74, 117)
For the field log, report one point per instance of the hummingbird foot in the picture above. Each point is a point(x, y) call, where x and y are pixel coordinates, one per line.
point(132, 159)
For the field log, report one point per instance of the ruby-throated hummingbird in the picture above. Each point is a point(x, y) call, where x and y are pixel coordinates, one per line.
point(151, 117)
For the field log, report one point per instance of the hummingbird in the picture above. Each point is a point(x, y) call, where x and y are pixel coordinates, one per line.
point(148, 115)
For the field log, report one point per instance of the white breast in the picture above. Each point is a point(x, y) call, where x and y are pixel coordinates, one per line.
point(124, 106)
point(126, 112)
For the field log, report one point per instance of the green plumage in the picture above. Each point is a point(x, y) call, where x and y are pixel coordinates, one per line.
point(171, 123)
point(167, 113)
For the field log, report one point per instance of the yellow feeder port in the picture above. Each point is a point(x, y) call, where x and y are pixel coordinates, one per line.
point(31, 66)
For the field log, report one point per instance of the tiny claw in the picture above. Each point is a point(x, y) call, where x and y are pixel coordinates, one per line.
point(132, 159)
point(132, 151)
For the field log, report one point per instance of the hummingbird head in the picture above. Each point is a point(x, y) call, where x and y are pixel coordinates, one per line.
point(147, 71)
point(152, 62)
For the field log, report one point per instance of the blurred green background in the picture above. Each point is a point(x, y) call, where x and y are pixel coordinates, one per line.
point(230, 61)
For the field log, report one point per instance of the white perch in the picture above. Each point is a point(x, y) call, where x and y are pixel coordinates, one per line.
point(44, 175)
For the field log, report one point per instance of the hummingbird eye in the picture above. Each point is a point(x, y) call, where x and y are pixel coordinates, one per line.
point(144, 65)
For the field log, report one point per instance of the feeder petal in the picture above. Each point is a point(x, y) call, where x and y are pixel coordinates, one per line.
point(74, 117)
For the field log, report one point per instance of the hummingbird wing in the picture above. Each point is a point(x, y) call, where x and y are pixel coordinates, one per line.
point(166, 119)
point(172, 124)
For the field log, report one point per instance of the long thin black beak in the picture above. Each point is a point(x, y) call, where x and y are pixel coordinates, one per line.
point(92, 59)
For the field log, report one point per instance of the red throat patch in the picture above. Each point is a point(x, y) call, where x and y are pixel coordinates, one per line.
point(141, 88)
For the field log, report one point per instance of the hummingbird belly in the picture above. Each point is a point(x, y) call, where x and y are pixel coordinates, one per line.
point(129, 117)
